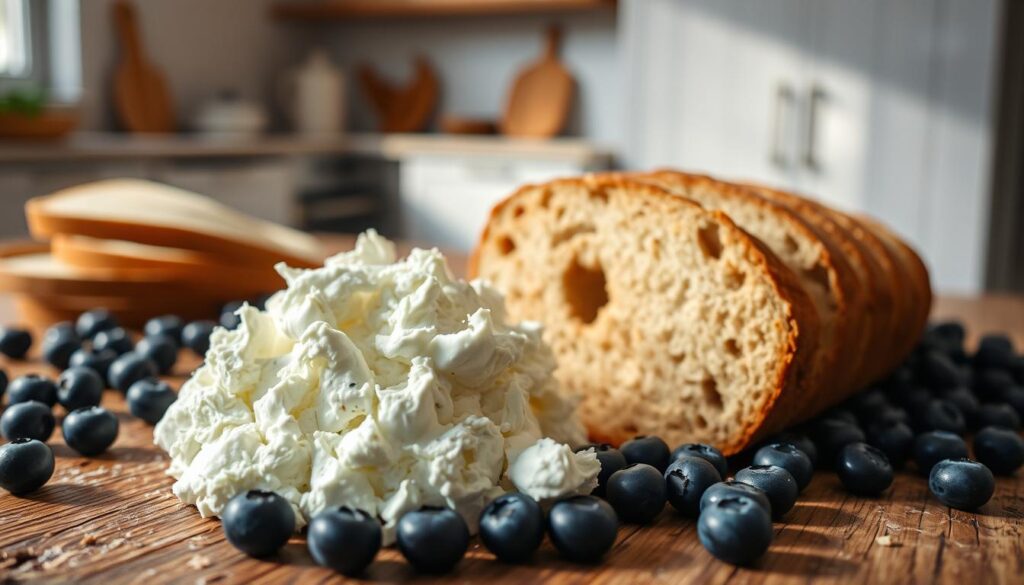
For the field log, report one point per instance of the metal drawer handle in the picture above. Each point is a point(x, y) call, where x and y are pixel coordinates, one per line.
point(785, 98)
point(810, 156)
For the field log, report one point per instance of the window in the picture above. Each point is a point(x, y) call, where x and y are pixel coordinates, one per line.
point(15, 39)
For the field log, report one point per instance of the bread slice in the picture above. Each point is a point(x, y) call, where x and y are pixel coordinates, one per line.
point(666, 318)
point(865, 351)
point(32, 269)
point(817, 262)
point(160, 215)
point(173, 264)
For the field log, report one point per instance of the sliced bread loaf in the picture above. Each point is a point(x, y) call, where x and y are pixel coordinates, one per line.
point(666, 318)
point(817, 262)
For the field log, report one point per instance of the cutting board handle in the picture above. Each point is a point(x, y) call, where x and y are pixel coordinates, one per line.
point(553, 43)
point(126, 20)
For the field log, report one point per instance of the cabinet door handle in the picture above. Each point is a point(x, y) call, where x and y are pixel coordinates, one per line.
point(785, 98)
point(810, 155)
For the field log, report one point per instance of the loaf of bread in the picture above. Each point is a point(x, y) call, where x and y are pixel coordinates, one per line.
point(666, 317)
point(699, 310)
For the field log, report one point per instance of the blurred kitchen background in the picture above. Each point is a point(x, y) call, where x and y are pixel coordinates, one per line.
point(408, 115)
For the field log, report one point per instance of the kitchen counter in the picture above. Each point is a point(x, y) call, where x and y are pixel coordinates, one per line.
point(86, 146)
point(113, 519)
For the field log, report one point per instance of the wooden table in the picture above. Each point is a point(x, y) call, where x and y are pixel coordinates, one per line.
point(113, 519)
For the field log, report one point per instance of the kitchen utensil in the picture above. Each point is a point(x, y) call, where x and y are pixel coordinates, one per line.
point(539, 102)
point(459, 125)
point(314, 96)
point(402, 109)
point(140, 92)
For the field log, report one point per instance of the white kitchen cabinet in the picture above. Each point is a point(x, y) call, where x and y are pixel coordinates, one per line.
point(445, 199)
point(878, 106)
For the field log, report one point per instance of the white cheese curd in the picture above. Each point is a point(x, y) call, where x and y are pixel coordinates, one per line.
point(548, 470)
point(378, 384)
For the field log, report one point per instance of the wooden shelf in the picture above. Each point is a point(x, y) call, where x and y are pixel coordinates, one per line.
point(319, 10)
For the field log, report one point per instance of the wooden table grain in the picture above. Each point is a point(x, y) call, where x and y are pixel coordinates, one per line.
point(113, 519)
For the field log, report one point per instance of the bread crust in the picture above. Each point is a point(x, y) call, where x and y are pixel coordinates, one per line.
point(800, 323)
point(831, 367)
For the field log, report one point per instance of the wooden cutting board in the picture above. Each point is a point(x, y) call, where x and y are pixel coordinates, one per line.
point(113, 519)
point(541, 96)
point(140, 92)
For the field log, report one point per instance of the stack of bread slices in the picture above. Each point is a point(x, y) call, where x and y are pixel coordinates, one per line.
point(702, 310)
point(142, 249)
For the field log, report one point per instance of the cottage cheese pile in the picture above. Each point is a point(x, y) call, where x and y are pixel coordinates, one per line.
point(377, 384)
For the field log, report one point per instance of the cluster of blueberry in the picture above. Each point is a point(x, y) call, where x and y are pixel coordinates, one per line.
point(93, 353)
point(919, 413)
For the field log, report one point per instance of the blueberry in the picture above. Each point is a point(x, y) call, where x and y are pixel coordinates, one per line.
point(966, 402)
point(129, 369)
point(258, 522)
point(735, 529)
point(512, 527)
point(732, 487)
point(647, 449)
point(25, 466)
point(433, 540)
point(92, 322)
point(990, 383)
point(159, 348)
point(149, 399)
point(705, 452)
point(953, 331)
point(798, 440)
point(582, 528)
point(830, 436)
point(994, 351)
point(934, 446)
point(999, 449)
point(90, 430)
point(998, 414)
point(1014, 396)
point(895, 439)
point(344, 539)
point(27, 420)
point(168, 325)
point(98, 361)
point(14, 342)
point(196, 336)
point(59, 342)
point(961, 483)
point(864, 470)
point(913, 398)
point(938, 371)
point(611, 460)
point(32, 387)
point(79, 387)
point(686, 480)
point(776, 482)
point(3, 382)
point(788, 457)
point(888, 416)
point(637, 492)
point(941, 415)
point(117, 339)
point(868, 403)
point(1016, 369)
point(228, 319)
point(840, 414)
